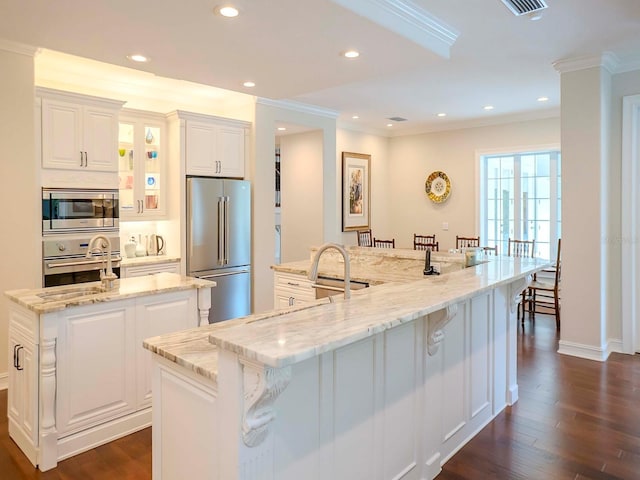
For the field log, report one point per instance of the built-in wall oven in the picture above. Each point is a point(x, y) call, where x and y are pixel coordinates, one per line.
point(70, 218)
point(65, 262)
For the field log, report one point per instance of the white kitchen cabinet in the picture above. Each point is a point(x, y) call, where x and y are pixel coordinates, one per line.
point(128, 271)
point(81, 377)
point(79, 132)
point(166, 314)
point(142, 165)
point(96, 375)
point(214, 146)
point(22, 400)
point(291, 289)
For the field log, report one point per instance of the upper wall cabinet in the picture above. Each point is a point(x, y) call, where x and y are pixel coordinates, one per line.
point(79, 132)
point(142, 165)
point(214, 146)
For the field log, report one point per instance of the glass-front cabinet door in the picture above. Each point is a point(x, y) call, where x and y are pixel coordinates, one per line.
point(141, 165)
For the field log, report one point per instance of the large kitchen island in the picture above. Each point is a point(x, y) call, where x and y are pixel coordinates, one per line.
point(80, 376)
point(386, 385)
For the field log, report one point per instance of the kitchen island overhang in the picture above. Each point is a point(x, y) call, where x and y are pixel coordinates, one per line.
point(421, 365)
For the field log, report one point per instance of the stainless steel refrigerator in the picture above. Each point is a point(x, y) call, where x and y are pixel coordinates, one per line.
point(219, 242)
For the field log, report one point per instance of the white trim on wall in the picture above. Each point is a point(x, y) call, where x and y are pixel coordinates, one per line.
point(630, 228)
point(4, 381)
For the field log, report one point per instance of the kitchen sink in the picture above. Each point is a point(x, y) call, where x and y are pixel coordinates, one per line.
point(69, 293)
point(335, 286)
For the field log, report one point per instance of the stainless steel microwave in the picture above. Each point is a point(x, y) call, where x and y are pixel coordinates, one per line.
point(79, 210)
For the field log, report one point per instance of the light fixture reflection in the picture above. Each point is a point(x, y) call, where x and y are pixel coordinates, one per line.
point(136, 57)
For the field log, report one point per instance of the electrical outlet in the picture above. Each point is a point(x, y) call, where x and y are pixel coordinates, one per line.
point(445, 225)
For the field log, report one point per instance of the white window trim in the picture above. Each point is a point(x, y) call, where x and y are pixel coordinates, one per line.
point(503, 151)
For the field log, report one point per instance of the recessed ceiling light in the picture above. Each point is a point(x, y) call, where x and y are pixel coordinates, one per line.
point(389, 124)
point(351, 54)
point(228, 11)
point(442, 114)
point(355, 117)
point(136, 57)
point(488, 107)
point(282, 129)
point(249, 84)
point(543, 99)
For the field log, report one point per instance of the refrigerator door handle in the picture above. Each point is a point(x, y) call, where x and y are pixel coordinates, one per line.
point(237, 272)
point(227, 200)
point(221, 233)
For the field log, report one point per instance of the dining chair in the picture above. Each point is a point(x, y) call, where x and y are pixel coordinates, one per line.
point(544, 296)
point(521, 248)
point(384, 243)
point(365, 238)
point(464, 242)
point(425, 242)
point(491, 250)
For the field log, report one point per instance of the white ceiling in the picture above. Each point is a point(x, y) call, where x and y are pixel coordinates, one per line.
point(290, 48)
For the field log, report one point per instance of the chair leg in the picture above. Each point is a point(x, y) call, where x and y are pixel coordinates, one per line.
point(557, 304)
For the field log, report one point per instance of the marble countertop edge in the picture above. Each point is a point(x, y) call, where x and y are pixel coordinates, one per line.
point(368, 313)
point(34, 300)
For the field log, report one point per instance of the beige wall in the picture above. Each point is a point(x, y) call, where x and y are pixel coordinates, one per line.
point(378, 148)
point(261, 173)
point(20, 254)
point(413, 158)
point(301, 187)
point(584, 209)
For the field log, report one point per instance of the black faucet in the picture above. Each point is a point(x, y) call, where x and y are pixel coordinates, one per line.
point(428, 268)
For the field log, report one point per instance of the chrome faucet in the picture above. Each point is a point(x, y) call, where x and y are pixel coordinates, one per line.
point(313, 274)
point(107, 276)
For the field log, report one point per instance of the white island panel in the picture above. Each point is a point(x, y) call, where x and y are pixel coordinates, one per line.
point(386, 385)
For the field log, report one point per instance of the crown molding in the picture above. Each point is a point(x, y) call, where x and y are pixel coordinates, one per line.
point(407, 19)
point(19, 48)
point(298, 107)
point(608, 60)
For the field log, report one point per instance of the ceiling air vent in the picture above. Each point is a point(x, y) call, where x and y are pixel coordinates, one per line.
point(523, 7)
point(397, 119)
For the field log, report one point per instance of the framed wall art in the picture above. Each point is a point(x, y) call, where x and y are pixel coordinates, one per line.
point(356, 191)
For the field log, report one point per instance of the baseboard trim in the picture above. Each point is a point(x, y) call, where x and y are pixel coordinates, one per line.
point(615, 346)
point(4, 381)
point(103, 433)
point(588, 352)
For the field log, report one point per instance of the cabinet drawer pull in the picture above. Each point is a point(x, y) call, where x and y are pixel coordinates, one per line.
point(293, 284)
point(15, 355)
point(17, 349)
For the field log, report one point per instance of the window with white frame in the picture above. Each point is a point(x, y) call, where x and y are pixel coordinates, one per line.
point(520, 197)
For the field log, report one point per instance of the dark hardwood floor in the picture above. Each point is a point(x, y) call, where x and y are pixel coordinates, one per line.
point(575, 419)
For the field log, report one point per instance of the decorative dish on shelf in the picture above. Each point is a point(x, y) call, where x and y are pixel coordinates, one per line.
point(438, 186)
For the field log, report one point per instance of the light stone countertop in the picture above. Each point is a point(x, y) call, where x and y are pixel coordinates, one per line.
point(192, 349)
point(52, 299)
point(375, 266)
point(148, 260)
point(282, 338)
